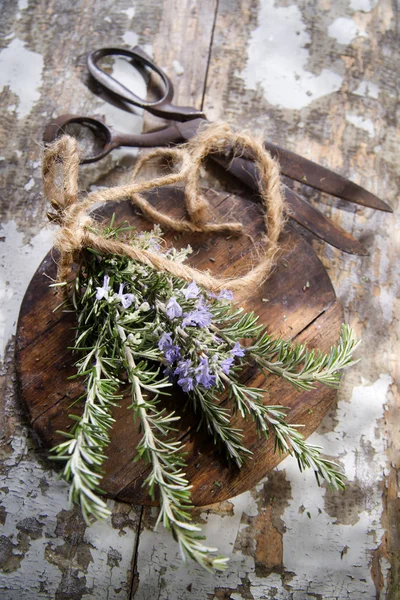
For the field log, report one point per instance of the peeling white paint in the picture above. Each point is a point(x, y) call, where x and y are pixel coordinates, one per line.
point(129, 12)
point(103, 539)
point(28, 186)
point(178, 68)
point(361, 123)
point(19, 262)
point(277, 60)
point(21, 70)
point(131, 38)
point(367, 89)
point(386, 301)
point(357, 423)
point(363, 5)
point(22, 5)
point(343, 30)
point(159, 559)
point(335, 574)
point(27, 499)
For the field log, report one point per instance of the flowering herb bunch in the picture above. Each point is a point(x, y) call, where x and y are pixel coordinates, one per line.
point(153, 330)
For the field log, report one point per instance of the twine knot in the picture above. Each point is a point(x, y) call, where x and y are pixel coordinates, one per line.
point(76, 225)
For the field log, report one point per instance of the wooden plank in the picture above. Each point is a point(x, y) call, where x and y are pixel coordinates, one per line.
point(182, 47)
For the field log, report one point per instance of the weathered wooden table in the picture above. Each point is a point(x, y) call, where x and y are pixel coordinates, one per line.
point(319, 79)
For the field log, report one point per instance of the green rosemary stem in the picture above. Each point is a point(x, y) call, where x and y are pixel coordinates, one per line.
point(167, 474)
point(83, 451)
point(289, 440)
point(218, 424)
point(303, 367)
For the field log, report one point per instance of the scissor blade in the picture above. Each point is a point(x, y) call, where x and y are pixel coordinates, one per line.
point(301, 169)
point(299, 209)
point(316, 222)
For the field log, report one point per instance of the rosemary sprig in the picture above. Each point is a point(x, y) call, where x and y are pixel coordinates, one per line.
point(155, 330)
point(83, 450)
point(166, 475)
point(288, 440)
point(301, 366)
point(217, 421)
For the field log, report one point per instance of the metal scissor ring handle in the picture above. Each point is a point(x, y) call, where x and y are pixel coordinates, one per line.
point(102, 134)
point(118, 88)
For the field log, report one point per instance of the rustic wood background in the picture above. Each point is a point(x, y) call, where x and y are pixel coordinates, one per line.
point(319, 78)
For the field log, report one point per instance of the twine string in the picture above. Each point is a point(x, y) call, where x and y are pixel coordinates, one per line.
point(76, 233)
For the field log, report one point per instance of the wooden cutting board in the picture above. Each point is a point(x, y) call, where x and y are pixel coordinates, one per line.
point(297, 302)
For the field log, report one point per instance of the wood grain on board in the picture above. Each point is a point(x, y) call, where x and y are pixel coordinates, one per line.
point(296, 302)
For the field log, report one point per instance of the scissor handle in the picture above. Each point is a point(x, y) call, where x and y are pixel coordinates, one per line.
point(162, 107)
point(105, 138)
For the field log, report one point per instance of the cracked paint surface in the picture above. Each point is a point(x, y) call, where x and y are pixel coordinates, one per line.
point(278, 56)
point(343, 30)
point(362, 123)
point(19, 262)
point(347, 515)
point(21, 71)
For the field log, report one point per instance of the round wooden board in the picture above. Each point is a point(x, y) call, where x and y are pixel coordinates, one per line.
point(306, 312)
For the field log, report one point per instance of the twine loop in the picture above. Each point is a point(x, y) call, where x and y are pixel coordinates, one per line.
point(71, 213)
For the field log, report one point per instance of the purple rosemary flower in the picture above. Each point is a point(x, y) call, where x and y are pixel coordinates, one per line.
point(225, 295)
point(200, 316)
point(154, 245)
point(169, 372)
point(184, 371)
point(186, 383)
point(173, 308)
point(237, 350)
point(202, 302)
point(125, 299)
point(165, 341)
point(203, 375)
point(102, 292)
point(226, 364)
point(171, 352)
point(191, 291)
point(184, 367)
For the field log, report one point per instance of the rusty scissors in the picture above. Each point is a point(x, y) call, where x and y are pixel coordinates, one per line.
point(185, 124)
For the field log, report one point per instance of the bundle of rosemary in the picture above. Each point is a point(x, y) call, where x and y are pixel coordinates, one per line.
point(156, 331)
